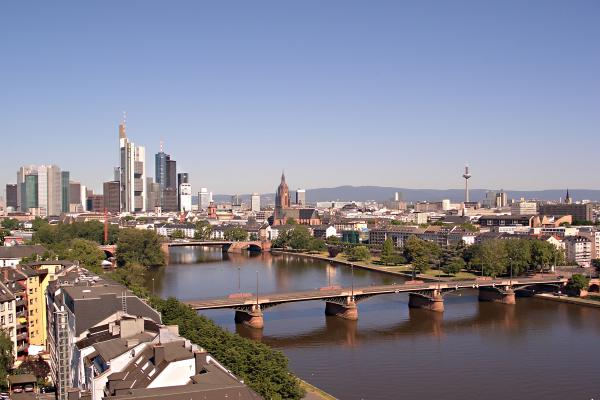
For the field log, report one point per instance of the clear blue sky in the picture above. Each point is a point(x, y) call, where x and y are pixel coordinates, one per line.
point(391, 93)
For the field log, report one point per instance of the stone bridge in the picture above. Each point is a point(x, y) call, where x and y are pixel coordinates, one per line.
point(342, 302)
point(227, 246)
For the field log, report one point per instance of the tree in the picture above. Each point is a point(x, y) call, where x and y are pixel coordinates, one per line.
point(578, 282)
point(333, 241)
point(137, 246)
point(518, 253)
point(10, 223)
point(291, 221)
point(3, 233)
point(236, 234)
point(36, 366)
point(542, 254)
point(177, 234)
point(7, 357)
point(86, 252)
point(317, 245)
point(358, 253)
point(133, 276)
point(453, 265)
point(420, 253)
point(490, 257)
point(388, 254)
point(203, 230)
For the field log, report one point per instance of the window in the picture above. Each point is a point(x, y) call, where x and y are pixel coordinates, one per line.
point(2, 320)
point(10, 318)
point(2, 306)
point(10, 305)
point(30, 301)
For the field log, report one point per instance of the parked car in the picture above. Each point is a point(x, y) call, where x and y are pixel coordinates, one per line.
point(29, 387)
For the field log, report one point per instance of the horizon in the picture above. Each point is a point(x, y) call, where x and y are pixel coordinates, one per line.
point(392, 94)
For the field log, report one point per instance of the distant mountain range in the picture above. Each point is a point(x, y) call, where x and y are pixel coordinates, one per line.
point(380, 193)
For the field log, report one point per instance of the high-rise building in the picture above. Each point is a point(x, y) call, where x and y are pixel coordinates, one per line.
point(182, 178)
point(117, 174)
point(255, 202)
point(112, 196)
point(169, 200)
point(166, 177)
point(83, 196)
point(75, 203)
point(46, 196)
point(236, 201)
point(64, 184)
point(204, 199)
point(133, 173)
point(282, 198)
point(95, 203)
point(185, 197)
point(301, 197)
point(153, 199)
point(11, 196)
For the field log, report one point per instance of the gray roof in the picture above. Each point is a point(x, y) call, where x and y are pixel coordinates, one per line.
point(21, 251)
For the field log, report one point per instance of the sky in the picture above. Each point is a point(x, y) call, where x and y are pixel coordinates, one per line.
point(391, 93)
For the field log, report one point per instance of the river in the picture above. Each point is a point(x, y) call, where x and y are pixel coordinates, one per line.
point(535, 350)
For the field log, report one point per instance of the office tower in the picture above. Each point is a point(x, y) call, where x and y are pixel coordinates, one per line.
point(133, 173)
point(166, 177)
point(153, 199)
point(236, 201)
point(282, 198)
point(255, 202)
point(185, 197)
point(495, 199)
point(169, 200)
point(64, 184)
point(95, 203)
point(75, 204)
point(301, 197)
point(117, 174)
point(182, 178)
point(40, 188)
point(11, 196)
point(204, 199)
point(112, 196)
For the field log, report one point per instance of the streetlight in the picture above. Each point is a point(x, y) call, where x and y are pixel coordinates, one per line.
point(352, 271)
point(239, 280)
point(153, 286)
point(257, 289)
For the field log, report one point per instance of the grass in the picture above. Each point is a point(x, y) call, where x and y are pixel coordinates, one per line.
point(315, 390)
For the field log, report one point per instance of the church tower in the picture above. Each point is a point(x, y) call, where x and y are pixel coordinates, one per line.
point(282, 198)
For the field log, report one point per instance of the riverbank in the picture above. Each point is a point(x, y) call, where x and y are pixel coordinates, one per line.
point(568, 300)
point(385, 270)
point(313, 392)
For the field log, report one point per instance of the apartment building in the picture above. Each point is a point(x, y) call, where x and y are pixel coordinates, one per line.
point(578, 249)
point(8, 314)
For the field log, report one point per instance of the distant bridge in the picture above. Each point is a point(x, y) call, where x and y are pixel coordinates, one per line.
point(342, 302)
point(227, 246)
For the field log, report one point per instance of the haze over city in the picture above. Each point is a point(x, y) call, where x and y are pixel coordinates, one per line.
point(393, 93)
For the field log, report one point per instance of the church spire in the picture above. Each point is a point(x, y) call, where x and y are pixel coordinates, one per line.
point(568, 197)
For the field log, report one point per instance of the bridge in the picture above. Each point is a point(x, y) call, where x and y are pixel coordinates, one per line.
point(227, 246)
point(342, 302)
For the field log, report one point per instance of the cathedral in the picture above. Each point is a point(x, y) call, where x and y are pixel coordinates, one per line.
point(285, 211)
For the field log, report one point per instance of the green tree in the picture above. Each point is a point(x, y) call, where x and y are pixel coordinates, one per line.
point(388, 254)
point(542, 254)
point(36, 366)
point(3, 233)
point(453, 265)
point(203, 230)
point(317, 245)
point(86, 252)
point(291, 221)
point(490, 257)
point(137, 246)
point(133, 276)
point(333, 241)
point(10, 223)
point(518, 253)
point(358, 253)
point(420, 253)
point(7, 357)
point(300, 237)
point(578, 282)
point(236, 234)
point(177, 234)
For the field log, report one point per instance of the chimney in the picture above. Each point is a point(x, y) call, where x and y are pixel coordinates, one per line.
point(159, 354)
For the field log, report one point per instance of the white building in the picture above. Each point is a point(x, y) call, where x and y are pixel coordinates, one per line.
point(204, 198)
point(8, 316)
point(523, 208)
point(255, 202)
point(579, 250)
point(185, 196)
point(133, 174)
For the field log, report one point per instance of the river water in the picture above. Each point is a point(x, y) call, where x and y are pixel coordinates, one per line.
point(535, 350)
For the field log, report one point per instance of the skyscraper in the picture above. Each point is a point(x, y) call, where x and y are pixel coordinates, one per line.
point(282, 198)
point(183, 178)
point(40, 188)
point(64, 184)
point(153, 199)
point(11, 196)
point(112, 196)
point(301, 197)
point(133, 173)
point(166, 176)
point(204, 199)
point(185, 197)
point(255, 202)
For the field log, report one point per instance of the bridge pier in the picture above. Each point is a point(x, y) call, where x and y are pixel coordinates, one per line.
point(504, 295)
point(252, 318)
point(347, 311)
point(433, 302)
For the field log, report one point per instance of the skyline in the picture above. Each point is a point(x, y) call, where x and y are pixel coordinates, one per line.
point(239, 93)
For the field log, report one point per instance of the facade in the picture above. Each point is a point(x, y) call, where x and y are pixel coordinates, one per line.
point(168, 229)
point(39, 189)
point(255, 202)
point(185, 197)
point(153, 199)
point(301, 197)
point(183, 179)
point(523, 208)
point(66, 194)
point(495, 199)
point(133, 174)
point(282, 198)
point(578, 249)
point(11, 196)
point(169, 200)
point(8, 314)
point(506, 220)
point(95, 203)
point(204, 199)
point(75, 202)
point(580, 212)
point(112, 196)
point(442, 235)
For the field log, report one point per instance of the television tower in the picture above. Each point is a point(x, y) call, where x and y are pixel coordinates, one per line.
point(466, 175)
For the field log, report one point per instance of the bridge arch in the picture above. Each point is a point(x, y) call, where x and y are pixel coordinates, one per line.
point(594, 288)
